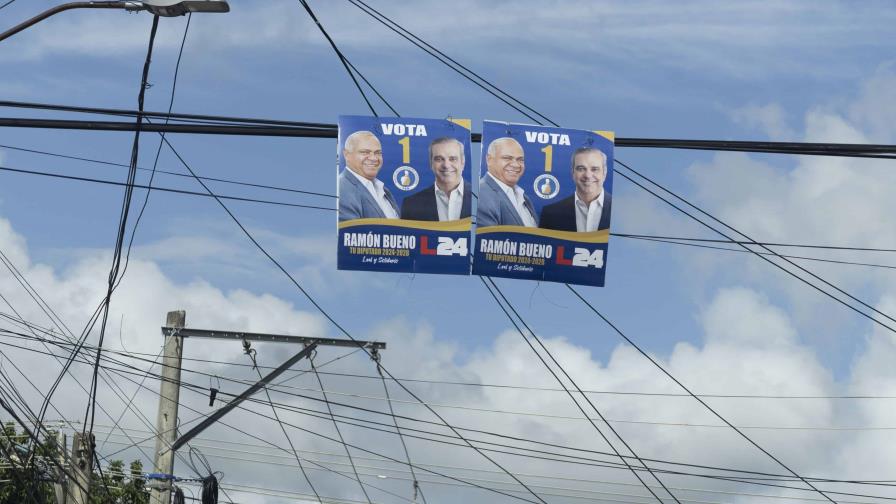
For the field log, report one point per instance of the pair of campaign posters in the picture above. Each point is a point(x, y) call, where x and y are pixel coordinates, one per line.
point(409, 201)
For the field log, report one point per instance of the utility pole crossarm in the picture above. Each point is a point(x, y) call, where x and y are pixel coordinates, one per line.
point(276, 338)
point(214, 417)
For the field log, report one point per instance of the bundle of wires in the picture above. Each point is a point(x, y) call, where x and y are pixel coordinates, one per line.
point(210, 490)
point(178, 496)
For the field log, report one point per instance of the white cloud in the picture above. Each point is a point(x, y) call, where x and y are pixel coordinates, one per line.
point(771, 119)
point(750, 346)
point(813, 200)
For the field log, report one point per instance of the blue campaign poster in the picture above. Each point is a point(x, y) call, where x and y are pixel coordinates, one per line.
point(405, 195)
point(544, 204)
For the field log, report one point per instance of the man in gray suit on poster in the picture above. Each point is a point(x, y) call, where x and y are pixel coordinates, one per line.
point(361, 194)
point(501, 200)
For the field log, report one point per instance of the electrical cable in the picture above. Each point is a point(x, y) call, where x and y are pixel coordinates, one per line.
point(375, 91)
point(48, 311)
point(432, 51)
point(669, 240)
point(728, 479)
point(146, 198)
point(134, 354)
point(155, 162)
point(178, 117)
point(701, 401)
point(377, 358)
point(474, 484)
point(163, 189)
point(488, 282)
point(342, 57)
point(336, 427)
point(789, 272)
point(119, 242)
point(36, 441)
point(172, 173)
point(741, 251)
point(371, 452)
point(757, 243)
point(286, 434)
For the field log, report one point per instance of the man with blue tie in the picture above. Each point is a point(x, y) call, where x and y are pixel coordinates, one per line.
point(361, 194)
point(501, 201)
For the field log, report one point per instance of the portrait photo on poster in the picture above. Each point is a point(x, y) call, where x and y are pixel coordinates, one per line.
point(545, 203)
point(405, 192)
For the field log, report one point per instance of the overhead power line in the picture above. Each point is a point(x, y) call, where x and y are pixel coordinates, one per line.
point(203, 391)
point(223, 125)
point(492, 287)
point(173, 173)
point(163, 189)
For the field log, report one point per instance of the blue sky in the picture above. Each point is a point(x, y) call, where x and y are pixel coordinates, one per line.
point(752, 70)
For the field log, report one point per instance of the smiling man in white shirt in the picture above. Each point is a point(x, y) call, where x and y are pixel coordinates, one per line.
point(450, 197)
point(501, 201)
point(588, 209)
point(361, 194)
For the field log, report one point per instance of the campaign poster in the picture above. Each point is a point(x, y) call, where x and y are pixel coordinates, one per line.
point(405, 195)
point(545, 197)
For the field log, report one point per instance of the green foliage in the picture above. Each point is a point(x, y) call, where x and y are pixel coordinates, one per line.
point(20, 480)
point(30, 481)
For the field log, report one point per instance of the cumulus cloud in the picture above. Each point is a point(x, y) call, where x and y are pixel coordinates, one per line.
point(813, 200)
point(749, 346)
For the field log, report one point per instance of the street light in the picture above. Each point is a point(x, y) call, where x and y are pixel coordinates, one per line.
point(166, 8)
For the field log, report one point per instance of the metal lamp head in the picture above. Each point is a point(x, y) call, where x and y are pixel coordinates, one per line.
point(172, 8)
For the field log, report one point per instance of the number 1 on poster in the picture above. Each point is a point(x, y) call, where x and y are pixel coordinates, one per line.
point(548, 158)
point(405, 150)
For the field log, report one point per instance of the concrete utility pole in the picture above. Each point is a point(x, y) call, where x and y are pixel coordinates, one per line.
point(160, 483)
point(169, 396)
point(81, 468)
point(59, 484)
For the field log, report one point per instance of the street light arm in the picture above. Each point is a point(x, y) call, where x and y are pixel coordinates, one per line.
point(69, 6)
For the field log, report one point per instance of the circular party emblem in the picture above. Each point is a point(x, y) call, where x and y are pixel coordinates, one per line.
point(546, 186)
point(405, 178)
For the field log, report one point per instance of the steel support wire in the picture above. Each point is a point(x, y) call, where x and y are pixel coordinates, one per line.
point(489, 285)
